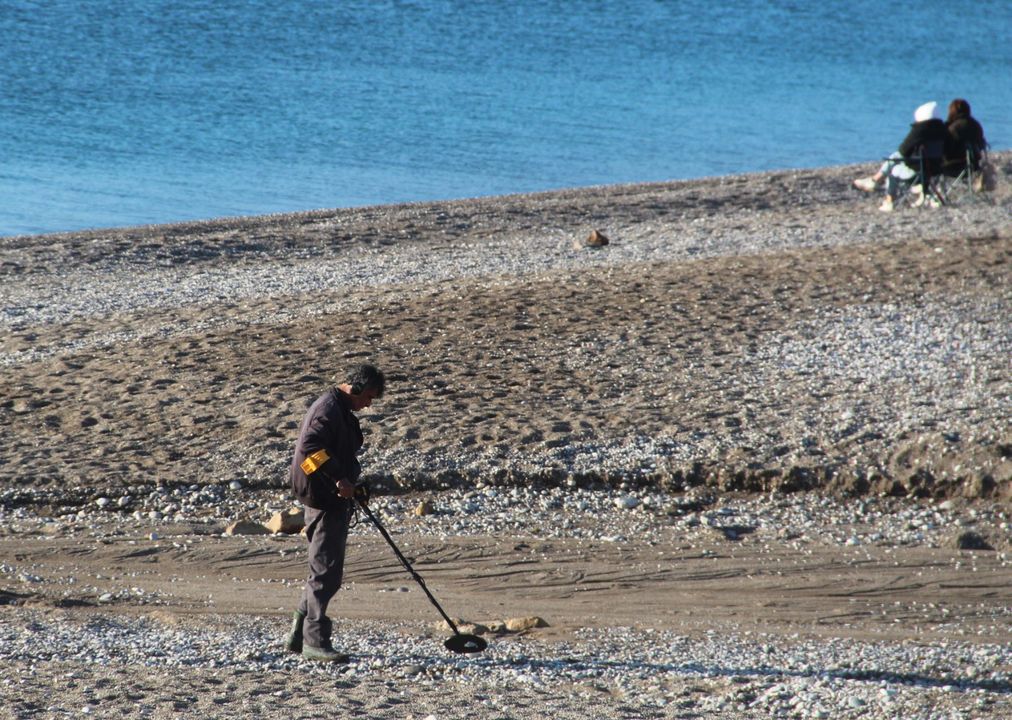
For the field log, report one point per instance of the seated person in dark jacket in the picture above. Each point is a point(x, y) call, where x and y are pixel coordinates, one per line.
point(965, 133)
point(927, 136)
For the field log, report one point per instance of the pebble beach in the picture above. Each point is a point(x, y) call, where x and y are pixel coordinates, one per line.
point(751, 458)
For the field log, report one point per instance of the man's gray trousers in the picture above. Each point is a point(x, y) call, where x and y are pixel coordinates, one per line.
point(327, 531)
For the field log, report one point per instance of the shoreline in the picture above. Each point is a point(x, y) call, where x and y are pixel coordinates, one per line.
point(252, 221)
point(256, 220)
point(839, 176)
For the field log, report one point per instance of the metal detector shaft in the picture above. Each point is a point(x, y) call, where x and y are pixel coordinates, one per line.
point(406, 564)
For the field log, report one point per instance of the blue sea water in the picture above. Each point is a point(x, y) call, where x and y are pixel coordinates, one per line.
point(123, 112)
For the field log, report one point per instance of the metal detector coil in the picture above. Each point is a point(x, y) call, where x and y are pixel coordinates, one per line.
point(464, 643)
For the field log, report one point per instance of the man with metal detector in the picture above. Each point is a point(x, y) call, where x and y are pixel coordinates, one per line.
point(324, 474)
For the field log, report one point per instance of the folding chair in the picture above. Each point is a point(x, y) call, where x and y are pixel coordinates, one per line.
point(927, 176)
point(962, 182)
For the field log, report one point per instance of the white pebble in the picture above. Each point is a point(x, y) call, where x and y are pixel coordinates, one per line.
point(627, 502)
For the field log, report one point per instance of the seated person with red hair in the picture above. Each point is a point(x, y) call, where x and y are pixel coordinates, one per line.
point(965, 134)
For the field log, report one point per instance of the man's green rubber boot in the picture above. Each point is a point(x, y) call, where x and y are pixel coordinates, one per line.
point(324, 654)
point(294, 644)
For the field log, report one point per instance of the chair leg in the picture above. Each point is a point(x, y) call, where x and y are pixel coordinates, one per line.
point(935, 186)
point(944, 187)
point(962, 185)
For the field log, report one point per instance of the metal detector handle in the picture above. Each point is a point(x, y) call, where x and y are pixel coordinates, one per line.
point(406, 564)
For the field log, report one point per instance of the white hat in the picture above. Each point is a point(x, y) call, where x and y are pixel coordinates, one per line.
point(927, 111)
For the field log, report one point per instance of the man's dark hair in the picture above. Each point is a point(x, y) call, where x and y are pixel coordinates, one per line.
point(367, 377)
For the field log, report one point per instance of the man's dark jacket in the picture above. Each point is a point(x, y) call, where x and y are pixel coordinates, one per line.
point(329, 425)
point(928, 136)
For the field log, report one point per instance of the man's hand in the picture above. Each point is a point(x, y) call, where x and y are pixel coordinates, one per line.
point(345, 489)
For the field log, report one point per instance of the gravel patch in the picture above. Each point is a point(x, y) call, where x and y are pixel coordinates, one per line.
point(651, 674)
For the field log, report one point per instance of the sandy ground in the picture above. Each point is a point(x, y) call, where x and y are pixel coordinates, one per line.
point(702, 344)
point(762, 592)
point(690, 588)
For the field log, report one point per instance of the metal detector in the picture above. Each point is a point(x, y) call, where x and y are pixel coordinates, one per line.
point(459, 642)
